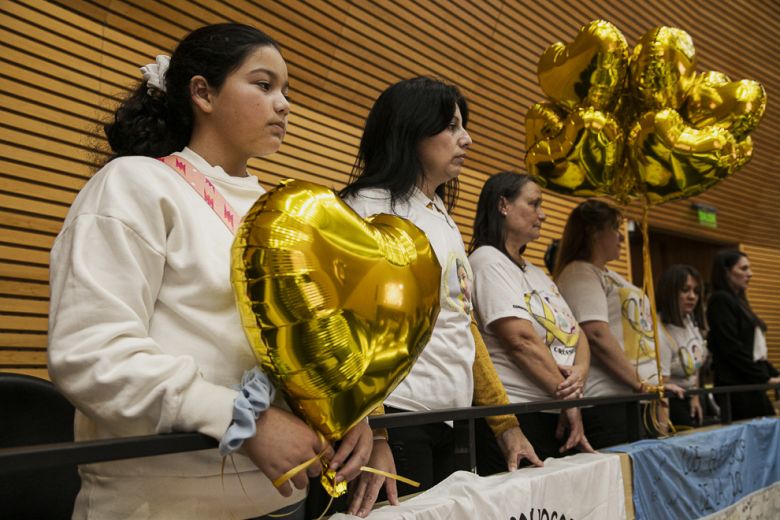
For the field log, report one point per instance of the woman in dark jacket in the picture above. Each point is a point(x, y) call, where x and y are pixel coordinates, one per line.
point(737, 337)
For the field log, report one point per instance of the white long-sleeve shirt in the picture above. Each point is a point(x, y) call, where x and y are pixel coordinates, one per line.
point(145, 338)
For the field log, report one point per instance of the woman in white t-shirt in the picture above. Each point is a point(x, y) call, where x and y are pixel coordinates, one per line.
point(412, 150)
point(533, 339)
point(144, 333)
point(680, 343)
point(612, 312)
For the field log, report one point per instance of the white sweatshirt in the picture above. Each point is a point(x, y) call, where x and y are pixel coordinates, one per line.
point(145, 338)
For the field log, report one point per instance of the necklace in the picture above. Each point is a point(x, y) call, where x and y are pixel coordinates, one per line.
point(520, 263)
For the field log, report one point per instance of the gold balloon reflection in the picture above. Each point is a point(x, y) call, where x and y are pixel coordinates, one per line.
point(336, 308)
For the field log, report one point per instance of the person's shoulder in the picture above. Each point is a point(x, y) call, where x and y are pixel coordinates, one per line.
point(722, 298)
point(133, 171)
point(578, 268)
point(618, 279)
point(370, 201)
point(370, 195)
point(489, 259)
point(127, 188)
point(531, 270)
point(483, 253)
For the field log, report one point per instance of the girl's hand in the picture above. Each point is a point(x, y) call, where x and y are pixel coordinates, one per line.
point(366, 489)
point(282, 442)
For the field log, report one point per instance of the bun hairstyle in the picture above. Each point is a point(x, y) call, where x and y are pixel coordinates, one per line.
point(156, 122)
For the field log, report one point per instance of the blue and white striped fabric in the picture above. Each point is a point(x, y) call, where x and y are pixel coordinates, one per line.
point(698, 474)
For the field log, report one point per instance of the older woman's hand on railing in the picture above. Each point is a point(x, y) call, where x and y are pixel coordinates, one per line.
point(517, 447)
point(573, 387)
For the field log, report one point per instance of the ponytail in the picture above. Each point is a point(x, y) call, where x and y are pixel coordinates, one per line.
point(156, 122)
point(144, 125)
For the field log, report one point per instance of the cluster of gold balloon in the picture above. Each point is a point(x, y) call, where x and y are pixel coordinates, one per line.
point(336, 308)
point(643, 125)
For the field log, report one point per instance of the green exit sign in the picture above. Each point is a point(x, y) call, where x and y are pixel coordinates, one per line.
point(708, 216)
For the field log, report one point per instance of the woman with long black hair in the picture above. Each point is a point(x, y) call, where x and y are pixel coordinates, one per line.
point(412, 150)
point(737, 337)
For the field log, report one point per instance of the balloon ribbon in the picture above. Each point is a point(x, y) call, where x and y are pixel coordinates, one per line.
point(649, 289)
point(336, 489)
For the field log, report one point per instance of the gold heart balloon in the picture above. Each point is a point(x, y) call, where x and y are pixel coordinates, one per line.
point(673, 159)
point(580, 154)
point(575, 146)
point(662, 67)
point(676, 155)
point(736, 106)
point(587, 72)
point(336, 308)
point(659, 131)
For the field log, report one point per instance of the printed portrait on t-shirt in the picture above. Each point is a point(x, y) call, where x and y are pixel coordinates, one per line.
point(553, 315)
point(458, 280)
point(637, 325)
point(690, 356)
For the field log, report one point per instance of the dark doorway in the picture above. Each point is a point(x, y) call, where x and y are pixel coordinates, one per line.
point(667, 249)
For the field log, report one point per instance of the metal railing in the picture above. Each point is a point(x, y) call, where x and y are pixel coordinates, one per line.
point(26, 458)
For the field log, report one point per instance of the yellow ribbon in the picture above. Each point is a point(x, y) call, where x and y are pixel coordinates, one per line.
point(300, 467)
point(328, 479)
point(648, 288)
point(569, 339)
point(393, 476)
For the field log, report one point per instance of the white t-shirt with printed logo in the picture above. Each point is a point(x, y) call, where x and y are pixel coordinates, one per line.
point(442, 376)
point(682, 352)
point(503, 290)
point(596, 294)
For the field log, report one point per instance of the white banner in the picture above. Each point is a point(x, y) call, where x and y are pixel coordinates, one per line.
point(580, 487)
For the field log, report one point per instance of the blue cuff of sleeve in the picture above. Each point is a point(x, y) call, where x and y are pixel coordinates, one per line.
point(256, 394)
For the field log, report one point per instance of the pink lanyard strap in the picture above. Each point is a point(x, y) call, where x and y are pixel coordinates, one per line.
point(205, 188)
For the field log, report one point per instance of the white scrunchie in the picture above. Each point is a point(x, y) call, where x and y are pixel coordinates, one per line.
point(154, 73)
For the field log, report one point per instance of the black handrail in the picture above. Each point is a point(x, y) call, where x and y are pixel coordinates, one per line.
point(25, 458)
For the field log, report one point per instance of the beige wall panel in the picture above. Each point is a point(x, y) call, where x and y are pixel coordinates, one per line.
point(19, 340)
point(64, 63)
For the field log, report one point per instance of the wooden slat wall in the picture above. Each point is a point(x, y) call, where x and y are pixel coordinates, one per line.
point(64, 64)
